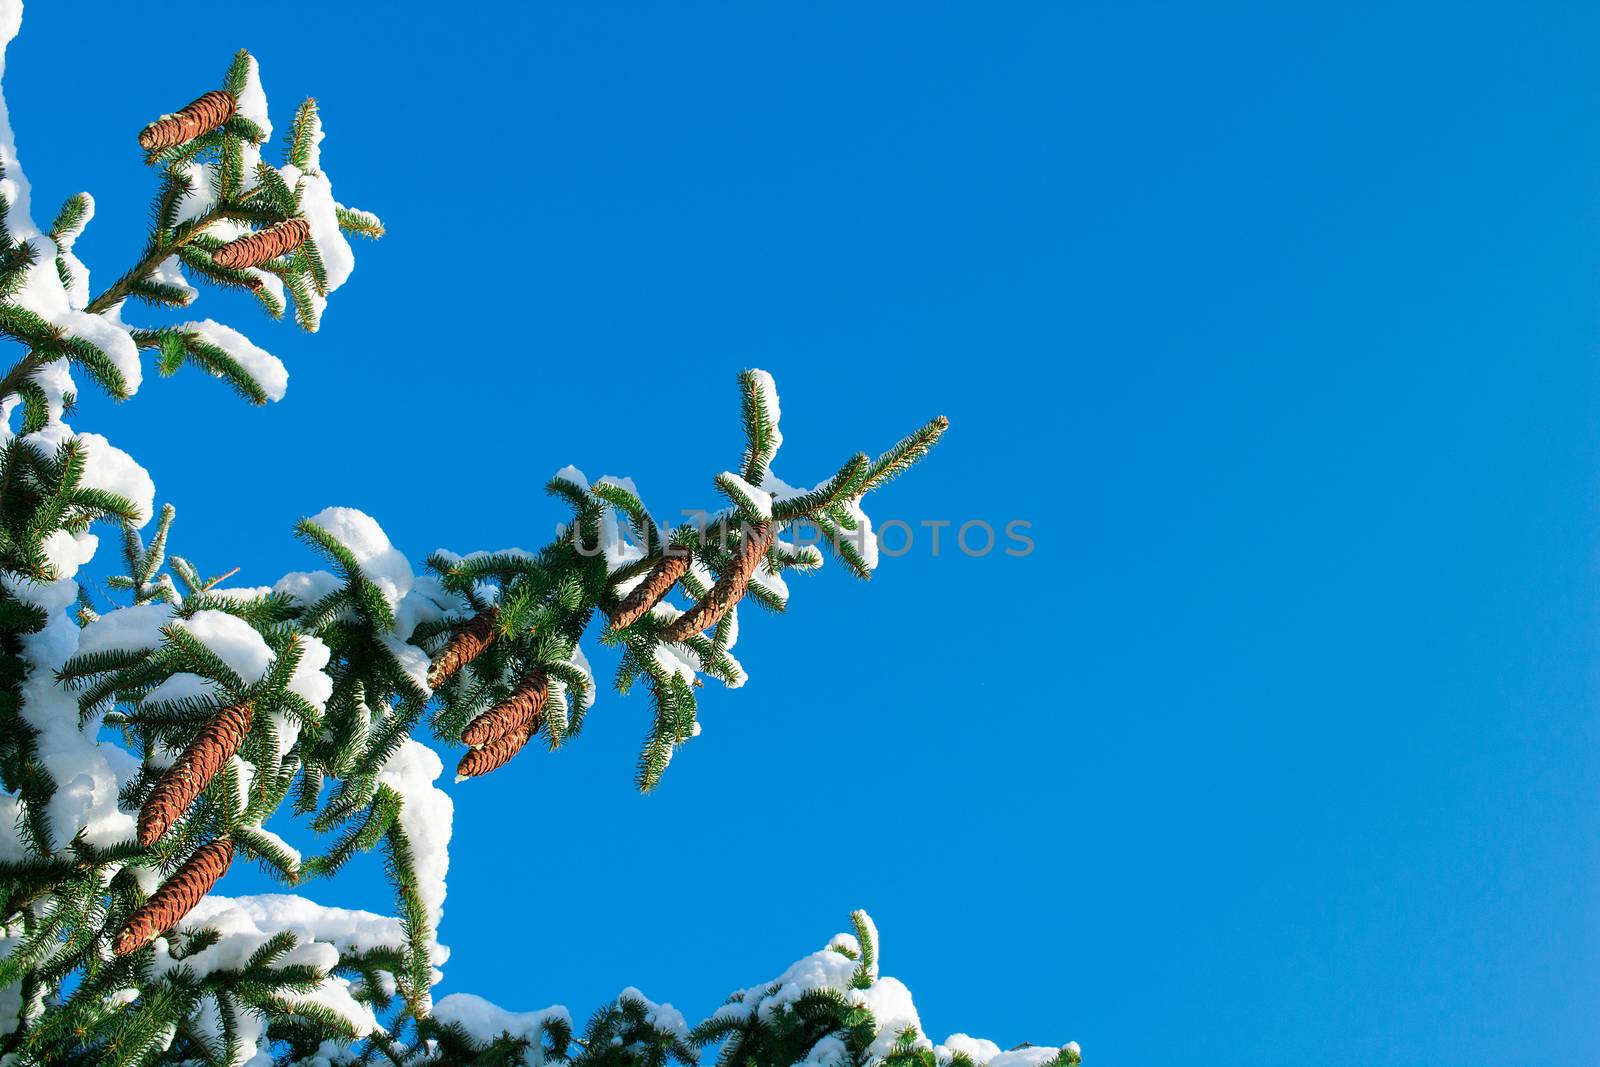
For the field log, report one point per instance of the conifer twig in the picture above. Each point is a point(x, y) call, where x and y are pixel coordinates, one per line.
point(157, 253)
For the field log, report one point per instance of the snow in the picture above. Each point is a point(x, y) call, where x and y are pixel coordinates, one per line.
point(662, 1017)
point(55, 379)
point(310, 681)
point(78, 293)
point(348, 929)
point(131, 628)
point(107, 336)
point(109, 468)
point(676, 659)
point(485, 1021)
point(429, 601)
point(231, 640)
point(823, 969)
point(980, 1050)
point(862, 536)
point(182, 686)
point(454, 558)
point(281, 844)
point(247, 923)
point(87, 772)
point(319, 209)
point(252, 99)
point(870, 928)
point(580, 662)
point(67, 552)
point(426, 819)
point(170, 272)
point(829, 1052)
point(201, 195)
point(1026, 1057)
point(237, 644)
point(106, 466)
point(759, 499)
point(411, 659)
point(772, 583)
point(308, 587)
point(12, 850)
point(251, 103)
point(42, 291)
point(381, 563)
point(14, 186)
point(267, 370)
point(767, 389)
point(623, 483)
point(890, 1002)
point(314, 153)
point(238, 592)
point(271, 283)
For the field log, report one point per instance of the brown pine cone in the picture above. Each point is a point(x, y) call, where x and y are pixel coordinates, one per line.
point(517, 712)
point(176, 897)
point(254, 249)
point(211, 748)
point(657, 584)
point(202, 116)
point(465, 645)
point(493, 756)
point(730, 587)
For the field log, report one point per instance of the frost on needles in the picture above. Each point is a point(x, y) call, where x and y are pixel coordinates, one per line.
point(147, 742)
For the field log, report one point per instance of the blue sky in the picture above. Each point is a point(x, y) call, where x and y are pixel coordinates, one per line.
point(1277, 325)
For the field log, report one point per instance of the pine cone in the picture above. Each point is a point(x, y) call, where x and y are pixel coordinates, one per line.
point(493, 756)
point(517, 712)
point(202, 116)
point(254, 249)
point(211, 748)
point(465, 645)
point(730, 587)
point(648, 593)
point(176, 897)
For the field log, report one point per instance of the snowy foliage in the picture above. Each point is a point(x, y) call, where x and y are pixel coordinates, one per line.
point(337, 671)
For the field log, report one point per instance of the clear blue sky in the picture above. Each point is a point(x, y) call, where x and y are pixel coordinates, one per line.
point(1279, 327)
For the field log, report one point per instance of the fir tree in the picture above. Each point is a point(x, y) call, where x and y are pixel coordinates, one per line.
point(146, 742)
